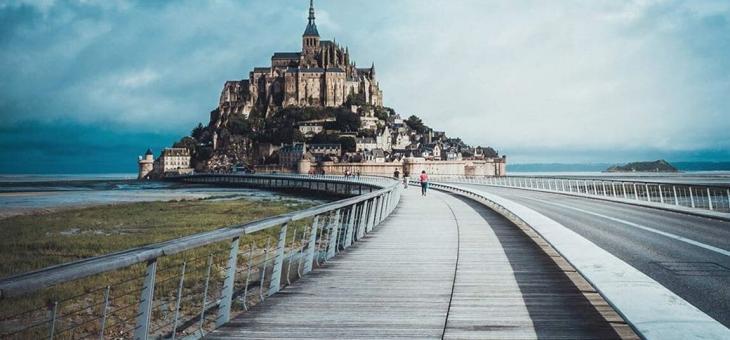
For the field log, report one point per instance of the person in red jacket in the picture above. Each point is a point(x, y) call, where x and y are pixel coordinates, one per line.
point(424, 182)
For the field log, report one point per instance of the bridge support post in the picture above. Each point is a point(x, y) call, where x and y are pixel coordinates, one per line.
point(309, 258)
point(691, 198)
point(275, 283)
point(144, 315)
point(224, 311)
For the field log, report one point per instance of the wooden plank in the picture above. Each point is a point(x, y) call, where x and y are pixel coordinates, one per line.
point(397, 283)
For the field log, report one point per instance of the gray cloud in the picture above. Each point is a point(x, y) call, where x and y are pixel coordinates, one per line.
point(574, 76)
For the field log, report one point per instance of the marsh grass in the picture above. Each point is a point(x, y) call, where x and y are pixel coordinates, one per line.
point(33, 242)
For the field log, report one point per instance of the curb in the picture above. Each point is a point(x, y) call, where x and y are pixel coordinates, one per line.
point(652, 310)
point(666, 207)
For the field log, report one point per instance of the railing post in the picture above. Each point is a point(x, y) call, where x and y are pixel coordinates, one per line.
point(676, 199)
point(177, 303)
point(249, 264)
point(613, 189)
point(709, 199)
point(205, 294)
point(636, 192)
point(332, 238)
point(105, 310)
point(52, 326)
point(371, 214)
point(691, 198)
point(603, 185)
point(275, 283)
point(224, 310)
point(381, 208)
point(289, 256)
point(661, 194)
point(309, 258)
point(141, 331)
point(262, 276)
point(648, 196)
point(350, 226)
point(362, 223)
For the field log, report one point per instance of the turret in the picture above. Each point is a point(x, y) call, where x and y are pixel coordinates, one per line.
point(146, 164)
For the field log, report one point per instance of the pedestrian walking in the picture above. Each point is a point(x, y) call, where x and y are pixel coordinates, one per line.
point(424, 182)
point(405, 179)
point(396, 174)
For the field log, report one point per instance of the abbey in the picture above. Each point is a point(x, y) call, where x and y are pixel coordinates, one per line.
point(322, 74)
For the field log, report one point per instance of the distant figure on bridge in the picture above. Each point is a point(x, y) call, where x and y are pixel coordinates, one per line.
point(406, 174)
point(424, 182)
point(396, 173)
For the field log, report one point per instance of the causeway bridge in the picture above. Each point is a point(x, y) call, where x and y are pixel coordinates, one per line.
point(487, 258)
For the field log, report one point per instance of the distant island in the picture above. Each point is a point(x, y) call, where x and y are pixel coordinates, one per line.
point(655, 166)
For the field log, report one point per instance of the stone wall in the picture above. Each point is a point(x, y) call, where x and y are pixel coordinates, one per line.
point(489, 167)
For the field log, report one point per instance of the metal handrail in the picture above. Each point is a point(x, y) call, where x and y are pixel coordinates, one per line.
point(343, 222)
point(692, 196)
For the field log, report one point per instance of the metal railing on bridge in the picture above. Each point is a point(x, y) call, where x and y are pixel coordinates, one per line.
point(711, 198)
point(188, 286)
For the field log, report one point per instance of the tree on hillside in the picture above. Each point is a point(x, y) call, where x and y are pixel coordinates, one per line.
point(348, 144)
point(416, 124)
point(347, 121)
point(239, 125)
point(490, 152)
point(198, 131)
point(355, 99)
point(382, 112)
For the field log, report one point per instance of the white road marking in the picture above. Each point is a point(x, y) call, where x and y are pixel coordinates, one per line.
point(649, 229)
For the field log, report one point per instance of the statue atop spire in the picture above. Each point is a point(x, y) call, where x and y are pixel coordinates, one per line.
point(311, 29)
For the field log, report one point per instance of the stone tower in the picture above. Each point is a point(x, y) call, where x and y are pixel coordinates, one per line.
point(146, 165)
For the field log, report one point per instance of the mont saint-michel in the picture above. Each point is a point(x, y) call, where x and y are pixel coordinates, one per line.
point(315, 111)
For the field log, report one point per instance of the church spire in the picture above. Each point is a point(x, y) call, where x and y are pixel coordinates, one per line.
point(311, 26)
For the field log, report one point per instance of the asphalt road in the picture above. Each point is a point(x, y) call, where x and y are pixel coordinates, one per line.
point(687, 254)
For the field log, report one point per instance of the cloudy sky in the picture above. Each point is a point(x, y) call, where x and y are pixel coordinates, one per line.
point(87, 85)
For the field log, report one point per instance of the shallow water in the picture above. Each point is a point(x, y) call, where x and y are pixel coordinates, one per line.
point(22, 194)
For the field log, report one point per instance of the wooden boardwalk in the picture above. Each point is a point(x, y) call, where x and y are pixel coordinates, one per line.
point(438, 267)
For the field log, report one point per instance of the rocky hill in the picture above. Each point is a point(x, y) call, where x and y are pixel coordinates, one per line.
point(655, 166)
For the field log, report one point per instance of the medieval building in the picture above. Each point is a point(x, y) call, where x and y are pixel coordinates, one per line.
point(321, 74)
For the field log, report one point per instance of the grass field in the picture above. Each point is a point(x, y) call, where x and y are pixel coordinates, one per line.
point(37, 241)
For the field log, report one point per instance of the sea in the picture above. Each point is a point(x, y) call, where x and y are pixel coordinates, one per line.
point(27, 194)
